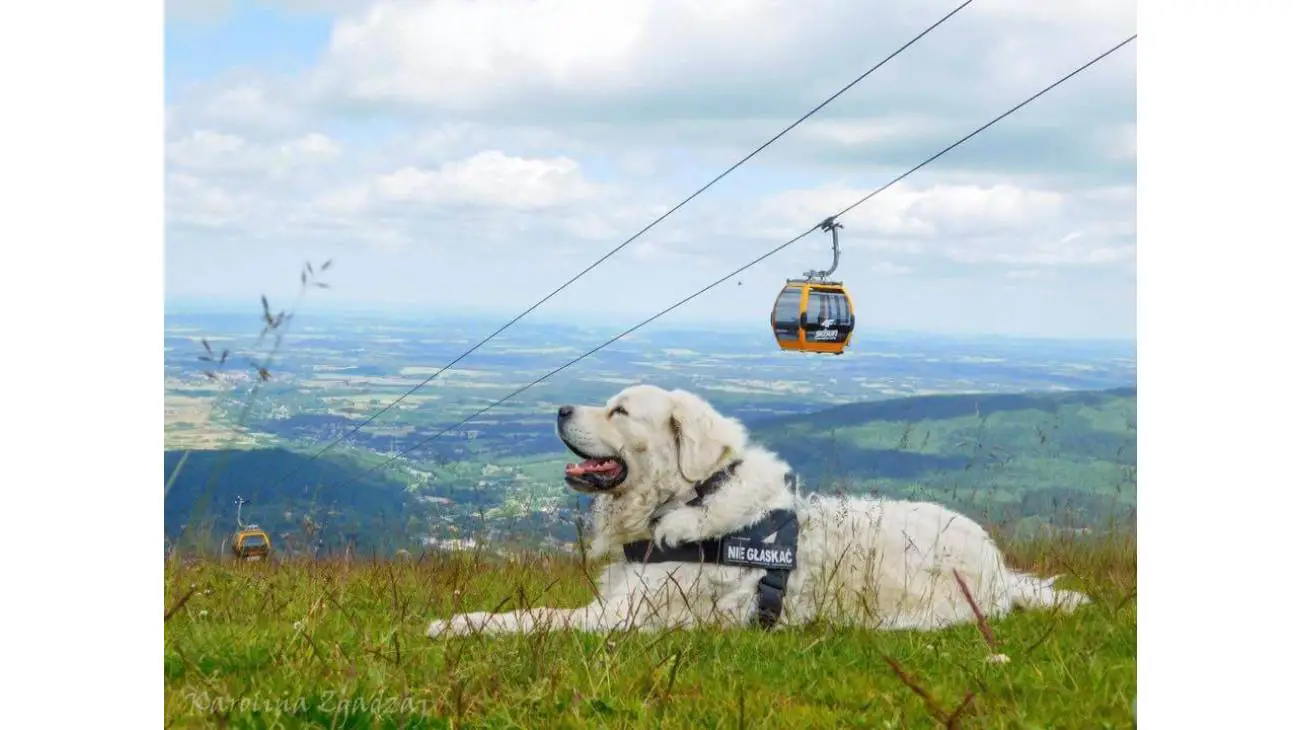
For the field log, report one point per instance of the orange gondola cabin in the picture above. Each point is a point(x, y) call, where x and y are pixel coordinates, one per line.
point(812, 314)
point(249, 542)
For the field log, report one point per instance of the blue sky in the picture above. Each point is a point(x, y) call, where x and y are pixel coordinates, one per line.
point(249, 35)
point(452, 155)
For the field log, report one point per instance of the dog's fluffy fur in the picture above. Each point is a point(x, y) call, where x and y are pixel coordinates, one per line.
point(872, 562)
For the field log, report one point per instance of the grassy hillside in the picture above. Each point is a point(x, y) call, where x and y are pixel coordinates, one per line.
point(1067, 459)
point(335, 644)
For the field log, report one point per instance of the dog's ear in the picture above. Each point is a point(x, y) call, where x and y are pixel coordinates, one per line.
point(705, 438)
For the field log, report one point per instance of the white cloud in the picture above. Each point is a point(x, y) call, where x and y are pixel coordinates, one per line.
point(732, 58)
point(1072, 249)
point(313, 146)
point(203, 148)
point(223, 186)
point(904, 211)
point(214, 152)
point(867, 131)
point(551, 130)
point(890, 268)
point(964, 209)
point(193, 202)
point(247, 102)
point(994, 223)
point(471, 55)
point(1089, 15)
point(613, 220)
point(492, 179)
point(1119, 142)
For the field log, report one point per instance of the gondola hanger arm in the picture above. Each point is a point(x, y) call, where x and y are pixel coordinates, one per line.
point(832, 225)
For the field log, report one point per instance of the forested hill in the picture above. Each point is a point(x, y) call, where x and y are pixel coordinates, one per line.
point(1068, 457)
point(341, 498)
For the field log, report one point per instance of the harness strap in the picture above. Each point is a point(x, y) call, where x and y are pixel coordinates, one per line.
point(645, 551)
point(705, 488)
point(771, 587)
point(771, 594)
point(713, 482)
point(742, 548)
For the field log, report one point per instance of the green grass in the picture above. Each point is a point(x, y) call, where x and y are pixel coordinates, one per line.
point(337, 644)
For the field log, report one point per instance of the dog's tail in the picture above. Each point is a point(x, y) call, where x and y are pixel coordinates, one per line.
point(1030, 591)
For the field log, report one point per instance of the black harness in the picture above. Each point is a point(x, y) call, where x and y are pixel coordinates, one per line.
point(744, 547)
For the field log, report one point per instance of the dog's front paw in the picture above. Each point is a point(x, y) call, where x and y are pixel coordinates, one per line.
point(679, 526)
point(459, 625)
point(600, 547)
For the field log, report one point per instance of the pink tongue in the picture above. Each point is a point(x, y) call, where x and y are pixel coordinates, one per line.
point(599, 466)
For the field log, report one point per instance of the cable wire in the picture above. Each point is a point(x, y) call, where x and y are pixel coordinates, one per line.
point(624, 244)
point(760, 259)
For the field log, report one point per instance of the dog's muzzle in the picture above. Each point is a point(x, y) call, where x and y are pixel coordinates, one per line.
point(594, 473)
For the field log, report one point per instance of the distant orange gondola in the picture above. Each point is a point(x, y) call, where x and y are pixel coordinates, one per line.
point(813, 314)
point(249, 542)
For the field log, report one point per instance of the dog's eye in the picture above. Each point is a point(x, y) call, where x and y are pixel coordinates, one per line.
point(618, 411)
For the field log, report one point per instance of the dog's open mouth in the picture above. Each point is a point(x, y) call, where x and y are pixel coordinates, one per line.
point(595, 474)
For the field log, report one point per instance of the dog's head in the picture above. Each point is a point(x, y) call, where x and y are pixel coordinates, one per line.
point(647, 437)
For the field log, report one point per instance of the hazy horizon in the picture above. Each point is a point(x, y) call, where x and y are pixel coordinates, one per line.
point(321, 305)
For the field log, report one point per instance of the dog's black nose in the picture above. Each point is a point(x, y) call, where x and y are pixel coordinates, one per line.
point(565, 412)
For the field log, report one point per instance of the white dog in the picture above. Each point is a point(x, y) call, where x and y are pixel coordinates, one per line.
point(669, 472)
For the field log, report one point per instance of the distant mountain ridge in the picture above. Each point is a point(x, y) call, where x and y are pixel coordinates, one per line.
point(1063, 458)
point(1057, 457)
point(947, 405)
